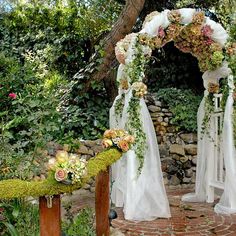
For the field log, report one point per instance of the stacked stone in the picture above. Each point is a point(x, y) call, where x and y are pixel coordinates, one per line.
point(178, 150)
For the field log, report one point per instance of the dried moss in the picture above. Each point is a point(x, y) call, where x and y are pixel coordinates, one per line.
point(15, 188)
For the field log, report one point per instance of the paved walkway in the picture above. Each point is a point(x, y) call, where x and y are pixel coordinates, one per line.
point(187, 219)
point(191, 219)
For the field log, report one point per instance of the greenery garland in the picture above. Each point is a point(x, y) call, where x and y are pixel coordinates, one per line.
point(134, 126)
point(119, 105)
point(209, 109)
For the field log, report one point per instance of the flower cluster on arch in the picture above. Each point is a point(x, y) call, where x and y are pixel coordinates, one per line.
point(190, 30)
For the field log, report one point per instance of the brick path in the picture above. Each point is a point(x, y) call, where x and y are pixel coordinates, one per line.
point(187, 219)
point(191, 219)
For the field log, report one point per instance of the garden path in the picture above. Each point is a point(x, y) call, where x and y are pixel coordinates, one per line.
point(191, 219)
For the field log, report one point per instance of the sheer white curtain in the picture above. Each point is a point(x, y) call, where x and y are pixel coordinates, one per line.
point(227, 203)
point(205, 150)
point(142, 195)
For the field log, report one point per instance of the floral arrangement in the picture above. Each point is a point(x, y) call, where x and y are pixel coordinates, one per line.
point(192, 32)
point(118, 138)
point(195, 38)
point(213, 88)
point(67, 168)
point(139, 88)
point(122, 47)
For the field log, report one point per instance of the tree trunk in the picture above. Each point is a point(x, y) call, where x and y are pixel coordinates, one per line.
point(122, 27)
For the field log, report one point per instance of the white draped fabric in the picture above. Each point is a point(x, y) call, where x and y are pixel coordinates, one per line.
point(142, 195)
point(205, 151)
point(227, 203)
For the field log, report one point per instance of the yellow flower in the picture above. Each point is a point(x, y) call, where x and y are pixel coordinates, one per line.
point(51, 163)
point(62, 156)
point(124, 84)
point(106, 143)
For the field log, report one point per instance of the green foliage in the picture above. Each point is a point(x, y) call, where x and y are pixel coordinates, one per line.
point(134, 126)
point(28, 121)
point(82, 224)
point(19, 217)
point(183, 104)
point(222, 8)
point(46, 42)
point(169, 67)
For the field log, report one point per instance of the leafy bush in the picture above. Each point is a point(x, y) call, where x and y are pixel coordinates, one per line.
point(81, 225)
point(19, 217)
point(183, 104)
point(28, 120)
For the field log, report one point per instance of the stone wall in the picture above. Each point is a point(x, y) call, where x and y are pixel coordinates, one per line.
point(178, 150)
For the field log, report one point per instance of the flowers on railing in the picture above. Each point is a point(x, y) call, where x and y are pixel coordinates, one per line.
point(67, 168)
point(118, 138)
point(140, 89)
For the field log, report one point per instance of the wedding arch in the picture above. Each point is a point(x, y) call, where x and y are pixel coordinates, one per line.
point(192, 32)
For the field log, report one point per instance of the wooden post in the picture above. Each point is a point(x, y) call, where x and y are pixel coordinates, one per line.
point(50, 218)
point(102, 205)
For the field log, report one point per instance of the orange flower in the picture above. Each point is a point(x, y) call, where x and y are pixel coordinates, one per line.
point(110, 133)
point(124, 84)
point(213, 88)
point(123, 145)
point(129, 139)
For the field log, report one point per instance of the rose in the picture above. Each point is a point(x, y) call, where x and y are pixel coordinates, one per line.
point(60, 175)
point(123, 145)
point(129, 139)
point(161, 32)
point(213, 88)
point(207, 31)
point(62, 156)
point(12, 95)
point(124, 84)
point(106, 143)
point(110, 133)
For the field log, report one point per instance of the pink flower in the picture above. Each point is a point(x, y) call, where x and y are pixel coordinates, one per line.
point(207, 31)
point(208, 41)
point(60, 175)
point(161, 32)
point(12, 95)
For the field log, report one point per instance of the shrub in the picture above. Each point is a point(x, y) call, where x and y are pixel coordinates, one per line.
point(184, 106)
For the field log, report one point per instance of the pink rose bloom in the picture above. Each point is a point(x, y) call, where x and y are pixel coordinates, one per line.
point(161, 32)
point(12, 95)
point(207, 31)
point(60, 175)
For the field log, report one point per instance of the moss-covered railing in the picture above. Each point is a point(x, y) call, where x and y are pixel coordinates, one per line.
point(50, 216)
point(15, 188)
